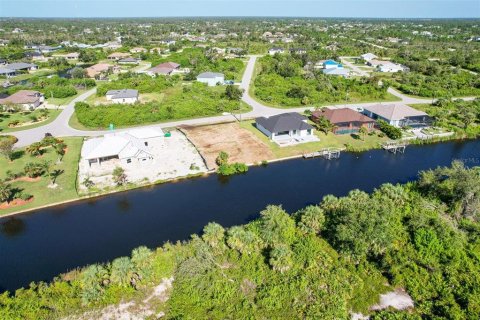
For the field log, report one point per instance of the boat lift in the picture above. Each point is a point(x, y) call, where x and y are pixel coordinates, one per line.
point(327, 153)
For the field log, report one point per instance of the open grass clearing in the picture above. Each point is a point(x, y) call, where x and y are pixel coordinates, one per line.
point(26, 119)
point(42, 194)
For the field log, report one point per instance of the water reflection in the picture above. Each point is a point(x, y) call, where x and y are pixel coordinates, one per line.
point(12, 227)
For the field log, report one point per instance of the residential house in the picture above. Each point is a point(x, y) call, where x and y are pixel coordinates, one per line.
point(72, 56)
point(123, 96)
point(138, 50)
point(336, 72)
point(8, 73)
point(128, 60)
point(331, 64)
point(166, 68)
point(47, 49)
point(273, 51)
point(398, 115)
point(122, 148)
point(97, 69)
point(34, 55)
point(286, 127)
point(345, 120)
point(298, 51)
point(27, 100)
point(368, 56)
point(211, 78)
point(168, 42)
point(21, 66)
point(386, 66)
point(118, 55)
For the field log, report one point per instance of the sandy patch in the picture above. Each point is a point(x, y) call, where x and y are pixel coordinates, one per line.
point(241, 144)
point(132, 310)
point(398, 299)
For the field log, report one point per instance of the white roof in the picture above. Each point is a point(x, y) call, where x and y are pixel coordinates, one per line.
point(146, 133)
point(368, 56)
point(210, 75)
point(121, 144)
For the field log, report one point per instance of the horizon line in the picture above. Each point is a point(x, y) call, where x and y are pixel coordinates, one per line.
point(214, 16)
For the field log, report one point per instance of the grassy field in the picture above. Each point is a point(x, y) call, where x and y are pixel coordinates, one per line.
point(43, 195)
point(63, 101)
point(6, 118)
point(201, 102)
point(144, 97)
point(326, 141)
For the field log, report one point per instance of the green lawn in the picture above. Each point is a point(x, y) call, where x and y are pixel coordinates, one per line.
point(23, 117)
point(63, 101)
point(43, 195)
point(38, 73)
point(326, 141)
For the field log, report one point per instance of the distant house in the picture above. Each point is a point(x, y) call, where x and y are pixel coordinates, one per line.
point(72, 56)
point(168, 42)
point(368, 56)
point(398, 115)
point(336, 72)
point(386, 66)
point(97, 69)
point(211, 78)
point(124, 96)
point(138, 50)
point(273, 51)
point(346, 120)
point(34, 55)
point(8, 73)
point(166, 68)
point(21, 66)
point(298, 51)
point(122, 148)
point(128, 60)
point(47, 49)
point(331, 64)
point(285, 127)
point(118, 55)
point(25, 99)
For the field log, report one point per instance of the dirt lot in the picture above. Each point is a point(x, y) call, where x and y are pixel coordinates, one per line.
point(242, 145)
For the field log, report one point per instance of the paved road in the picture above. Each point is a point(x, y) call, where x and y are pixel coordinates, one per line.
point(60, 127)
point(355, 68)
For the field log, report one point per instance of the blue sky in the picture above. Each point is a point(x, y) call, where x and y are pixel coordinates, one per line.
point(303, 8)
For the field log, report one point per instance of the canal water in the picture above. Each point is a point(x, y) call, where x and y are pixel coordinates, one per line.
point(40, 245)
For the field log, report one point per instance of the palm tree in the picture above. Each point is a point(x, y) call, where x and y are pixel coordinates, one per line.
point(142, 262)
point(213, 234)
point(121, 271)
point(281, 258)
point(5, 191)
point(35, 149)
point(363, 132)
point(60, 150)
point(54, 175)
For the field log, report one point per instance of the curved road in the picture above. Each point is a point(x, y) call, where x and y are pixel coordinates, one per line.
point(60, 127)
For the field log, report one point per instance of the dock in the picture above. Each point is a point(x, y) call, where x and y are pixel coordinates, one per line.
point(395, 146)
point(327, 153)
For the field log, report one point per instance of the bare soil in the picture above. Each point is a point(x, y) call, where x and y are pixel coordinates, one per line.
point(14, 203)
point(241, 145)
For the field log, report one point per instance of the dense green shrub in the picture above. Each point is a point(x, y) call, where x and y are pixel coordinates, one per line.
point(141, 82)
point(281, 82)
point(198, 101)
point(391, 131)
point(323, 262)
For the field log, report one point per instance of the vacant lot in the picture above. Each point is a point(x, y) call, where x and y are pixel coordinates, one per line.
point(241, 144)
